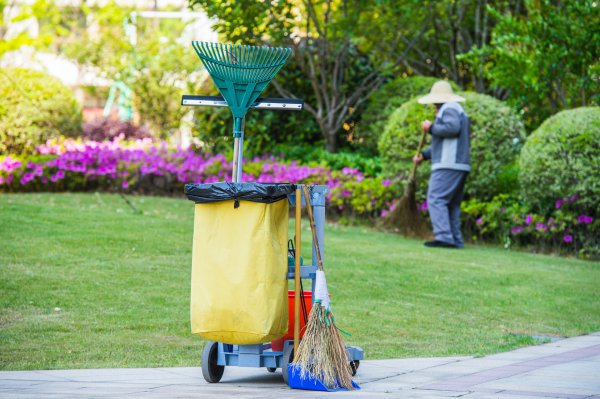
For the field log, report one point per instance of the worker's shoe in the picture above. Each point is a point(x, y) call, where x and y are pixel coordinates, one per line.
point(439, 244)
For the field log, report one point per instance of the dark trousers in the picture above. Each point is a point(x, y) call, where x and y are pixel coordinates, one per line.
point(446, 188)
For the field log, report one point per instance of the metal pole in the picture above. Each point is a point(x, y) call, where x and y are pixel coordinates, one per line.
point(240, 152)
point(234, 167)
point(297, 273)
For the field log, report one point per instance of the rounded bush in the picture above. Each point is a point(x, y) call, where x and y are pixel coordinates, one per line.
point(385, 101)
point(562, 159)
point(34, 107)
point(497, 133)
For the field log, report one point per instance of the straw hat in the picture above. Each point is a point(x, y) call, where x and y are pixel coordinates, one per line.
point(441, 92)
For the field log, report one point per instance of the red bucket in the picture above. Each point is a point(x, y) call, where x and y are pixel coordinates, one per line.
point(277, 345)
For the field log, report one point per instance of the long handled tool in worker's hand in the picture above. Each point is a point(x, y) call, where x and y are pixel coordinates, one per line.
point(321, 356)
point(405, 218)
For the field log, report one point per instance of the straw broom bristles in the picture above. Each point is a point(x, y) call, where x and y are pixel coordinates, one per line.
point(322, 352)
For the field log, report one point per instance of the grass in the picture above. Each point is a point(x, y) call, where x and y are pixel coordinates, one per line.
point(88, 283)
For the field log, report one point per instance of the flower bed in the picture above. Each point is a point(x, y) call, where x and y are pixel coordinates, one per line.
point(510, 221)
point(155, 168)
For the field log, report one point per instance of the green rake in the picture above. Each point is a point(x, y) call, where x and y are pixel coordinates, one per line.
point(240, 73)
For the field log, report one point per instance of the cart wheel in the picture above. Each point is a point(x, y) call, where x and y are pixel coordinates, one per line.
point(354, 366)
point(211, 371)
point(288, 357)
point(271, 369)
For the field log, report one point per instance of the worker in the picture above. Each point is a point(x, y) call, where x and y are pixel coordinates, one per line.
point(450, 164)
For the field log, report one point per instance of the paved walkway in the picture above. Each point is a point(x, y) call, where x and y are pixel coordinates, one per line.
point(568, 368)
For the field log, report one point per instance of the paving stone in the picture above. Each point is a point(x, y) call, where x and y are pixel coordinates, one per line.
point(567, 368)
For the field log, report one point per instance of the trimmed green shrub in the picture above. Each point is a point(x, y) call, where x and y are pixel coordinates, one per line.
point(34, 107)
point(385, 101)
point(318, 155)
point(496, 136)
point(561, 159)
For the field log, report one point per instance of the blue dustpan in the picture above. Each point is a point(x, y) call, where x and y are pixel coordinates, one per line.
point(309, 382)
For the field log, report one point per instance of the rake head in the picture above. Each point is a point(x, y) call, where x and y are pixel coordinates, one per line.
point(241, 72)
point(241, 64)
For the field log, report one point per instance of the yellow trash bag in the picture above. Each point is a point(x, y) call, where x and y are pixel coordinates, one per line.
point(239, 266)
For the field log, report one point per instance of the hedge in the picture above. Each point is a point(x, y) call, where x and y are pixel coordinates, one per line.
point(562, 159)
point(34, 107)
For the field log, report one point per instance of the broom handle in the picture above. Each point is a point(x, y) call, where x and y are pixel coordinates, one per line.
point(313, 227)
point(297, 273)
point(413, 174)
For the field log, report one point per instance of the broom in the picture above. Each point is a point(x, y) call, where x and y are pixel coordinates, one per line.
point(405, 218)
point(322, 352)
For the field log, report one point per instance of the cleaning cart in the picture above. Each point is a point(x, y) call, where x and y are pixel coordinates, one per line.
point(241, 258)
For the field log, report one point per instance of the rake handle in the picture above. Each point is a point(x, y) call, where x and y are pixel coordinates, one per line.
point(313, 227)
point(413, 174)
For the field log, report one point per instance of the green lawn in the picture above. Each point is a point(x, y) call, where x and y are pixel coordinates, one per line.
point(85, 282)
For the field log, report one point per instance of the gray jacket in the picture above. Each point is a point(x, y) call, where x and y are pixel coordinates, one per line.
point(450, 136)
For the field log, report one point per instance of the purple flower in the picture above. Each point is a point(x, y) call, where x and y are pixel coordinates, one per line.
point(27, 177)
point(528, 220)
point(479, 221)
point(125, 184)
point(568, 238)
point(386, 182)
point(584, 219)
point(503, 209)
point(424, 206)
point(558, 204)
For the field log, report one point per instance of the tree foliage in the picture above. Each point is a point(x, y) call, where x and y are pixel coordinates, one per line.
point(546, 56)
point(326, 37)
point(156, 66)
point(12, 37)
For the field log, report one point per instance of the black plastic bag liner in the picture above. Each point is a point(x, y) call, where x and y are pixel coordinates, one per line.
point(265, 193)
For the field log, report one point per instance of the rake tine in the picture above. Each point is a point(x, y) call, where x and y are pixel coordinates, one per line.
point(210, 51)
point(221, 55)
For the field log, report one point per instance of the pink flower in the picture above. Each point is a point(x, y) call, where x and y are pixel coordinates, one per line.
point(568, 238)
point(528, 220)
point(27, 177)
point(125, 184)
point(516, 230)
point(541, 227)
point(584, 219)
